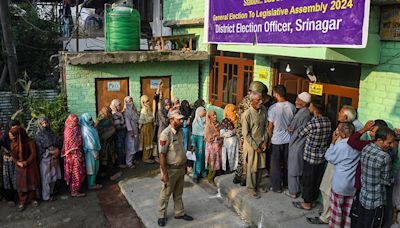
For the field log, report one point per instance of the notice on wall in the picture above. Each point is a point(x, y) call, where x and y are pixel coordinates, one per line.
point(113, 86)
point(154, 83)
point(315, 89)
point(304, 23)
point(390, 23)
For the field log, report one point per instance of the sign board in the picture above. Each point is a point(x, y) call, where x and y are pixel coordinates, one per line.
point(315, 89)
point(154, 83)
point(304, 23)
point(113, 86)
point(390, 23)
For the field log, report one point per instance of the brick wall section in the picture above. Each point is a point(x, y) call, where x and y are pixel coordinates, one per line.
point(81, 81)
point(183, 9)
point(380, 87)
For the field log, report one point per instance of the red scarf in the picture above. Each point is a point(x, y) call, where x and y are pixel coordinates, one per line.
point(72, 135)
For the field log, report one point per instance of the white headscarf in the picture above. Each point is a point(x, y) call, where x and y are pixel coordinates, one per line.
point(198, 123)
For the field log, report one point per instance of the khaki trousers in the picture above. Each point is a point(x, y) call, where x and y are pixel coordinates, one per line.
point(326, 213)
point(253, 180)
point(174, 187)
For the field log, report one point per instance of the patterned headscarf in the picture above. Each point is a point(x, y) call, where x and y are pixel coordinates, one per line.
point(146, 115)
point(72, 135)
point(198, 123)
point(118, 118)
point(229, 113)
point(45, 137)
point(164, 109)
point(211, 131)
point(104, 119)
point(114, 104)
point(91, 140)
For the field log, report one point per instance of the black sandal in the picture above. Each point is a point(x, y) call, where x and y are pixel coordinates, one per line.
point(299, 205)
point(315, 220)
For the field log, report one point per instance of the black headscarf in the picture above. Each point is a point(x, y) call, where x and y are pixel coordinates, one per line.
point(185, 109)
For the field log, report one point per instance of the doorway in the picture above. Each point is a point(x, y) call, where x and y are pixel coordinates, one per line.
point(149, 86)
point(108, 89)
point(333, 96)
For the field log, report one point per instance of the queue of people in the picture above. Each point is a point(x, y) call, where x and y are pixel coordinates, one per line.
point(354, 168)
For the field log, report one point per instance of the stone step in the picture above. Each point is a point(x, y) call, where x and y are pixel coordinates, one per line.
point(272, 210)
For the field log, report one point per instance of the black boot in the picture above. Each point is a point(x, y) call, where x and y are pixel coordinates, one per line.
point(236, 180)
point(243, 181)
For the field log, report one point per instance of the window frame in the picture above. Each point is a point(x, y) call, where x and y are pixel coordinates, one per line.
point(216, 87)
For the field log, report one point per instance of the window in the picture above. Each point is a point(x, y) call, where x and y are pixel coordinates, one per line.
point(229, 79)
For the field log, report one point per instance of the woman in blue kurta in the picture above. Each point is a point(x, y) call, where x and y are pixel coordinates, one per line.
point(91, 147)
point(186, 112)
point(198, 143)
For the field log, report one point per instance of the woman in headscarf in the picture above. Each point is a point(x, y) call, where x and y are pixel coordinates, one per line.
point(132, 126)
point(230, 147)
point(91, 147)
point(47, 153)
point(198, 103)
point(120, 135)
point(213, 145)
point(74, 161)
point(198, 143)
point(186, 112)
point(9, 172)
point(27, 176)
point(176, 104)
point(106, 130)
point(146, 124)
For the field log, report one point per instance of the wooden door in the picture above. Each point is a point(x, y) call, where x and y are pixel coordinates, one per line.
point(333, 96)
point(149, 86)
point(108, 89)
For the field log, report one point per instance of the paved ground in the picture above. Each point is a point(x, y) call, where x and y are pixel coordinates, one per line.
point(272, 210)
point(205, 205)
point(103, 208)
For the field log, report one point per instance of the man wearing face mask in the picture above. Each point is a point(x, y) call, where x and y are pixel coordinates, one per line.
point(376, 175)
point(355, 142)
point(172, 164)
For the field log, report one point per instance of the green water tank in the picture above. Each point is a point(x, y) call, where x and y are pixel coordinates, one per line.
point(122, 28)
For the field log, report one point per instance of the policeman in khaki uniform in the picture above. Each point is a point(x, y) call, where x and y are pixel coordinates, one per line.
point(172, 164)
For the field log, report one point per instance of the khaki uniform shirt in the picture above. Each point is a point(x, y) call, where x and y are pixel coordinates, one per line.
point(171, 144)
point(254, 129)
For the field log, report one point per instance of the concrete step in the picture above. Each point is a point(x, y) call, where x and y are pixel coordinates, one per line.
point(272, 210)
point(208, 209)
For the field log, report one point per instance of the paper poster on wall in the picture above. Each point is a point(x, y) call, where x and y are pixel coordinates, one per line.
point(263, 75)
point(154, 83)
point(315, 89)
point(390, 23)
point(303, 23)
point(113, 86)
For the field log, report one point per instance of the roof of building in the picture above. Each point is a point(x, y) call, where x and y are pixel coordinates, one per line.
point(90, 58)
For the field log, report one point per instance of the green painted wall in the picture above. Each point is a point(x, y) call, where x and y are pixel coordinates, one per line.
point(263, 70)
point(380, 87)
point(183, 9)
point(200, 46)
point(81, 81)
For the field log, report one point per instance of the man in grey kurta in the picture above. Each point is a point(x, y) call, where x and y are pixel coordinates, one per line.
point(296, 144)
point(254, 129)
